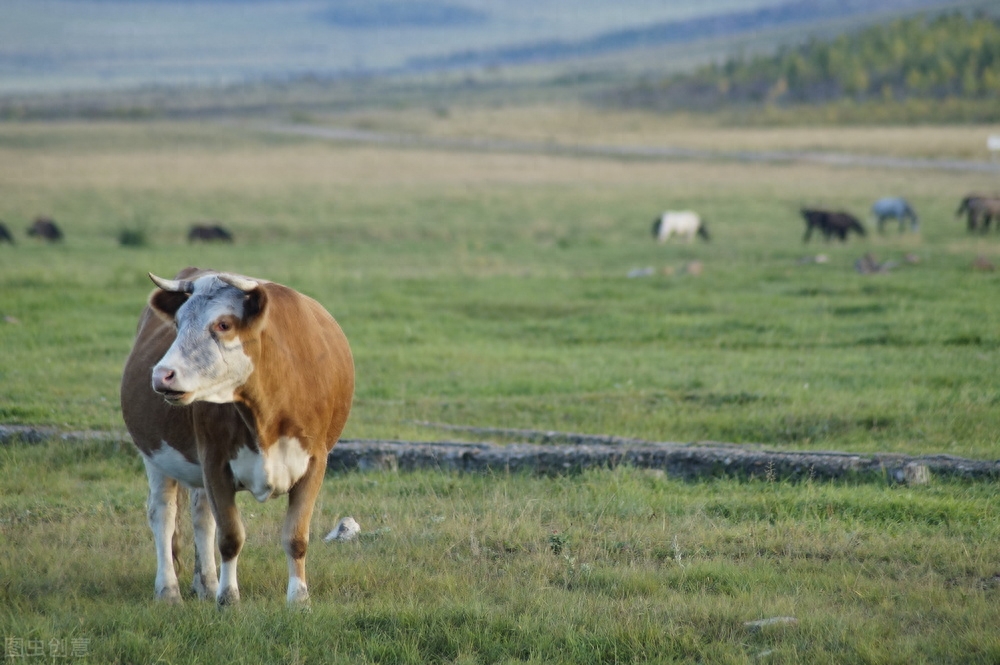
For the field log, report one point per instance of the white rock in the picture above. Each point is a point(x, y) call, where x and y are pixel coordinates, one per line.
point(768, 623)
point(347, 529)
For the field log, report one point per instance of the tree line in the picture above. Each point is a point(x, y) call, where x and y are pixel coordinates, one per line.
point(949, 57)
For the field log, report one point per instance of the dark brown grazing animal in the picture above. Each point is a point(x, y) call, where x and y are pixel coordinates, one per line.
point(830, 224)
point(46, 229)
point(966, 206)
point(233, 383)
point(963, 205)
point(5, 235)
point(982, 211)
point(209, 233)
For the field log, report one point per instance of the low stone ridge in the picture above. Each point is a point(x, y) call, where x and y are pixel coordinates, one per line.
point(28, 434)
point(703, 459)
point(564, 452)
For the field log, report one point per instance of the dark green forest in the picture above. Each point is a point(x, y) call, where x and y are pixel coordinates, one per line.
point(941, 68)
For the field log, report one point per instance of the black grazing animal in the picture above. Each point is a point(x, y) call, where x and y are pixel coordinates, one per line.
point(830, 224)
point(5, 235)
point(46, 229)
point(209, 233)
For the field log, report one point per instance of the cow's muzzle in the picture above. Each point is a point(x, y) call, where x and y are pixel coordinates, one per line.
point(164, 382)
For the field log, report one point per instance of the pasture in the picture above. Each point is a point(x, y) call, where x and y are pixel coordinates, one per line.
point(492, 289)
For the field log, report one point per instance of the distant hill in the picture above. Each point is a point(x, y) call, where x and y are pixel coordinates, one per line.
point(376, 14)
point(945, 58)
point(60, 45)
point(724, 24)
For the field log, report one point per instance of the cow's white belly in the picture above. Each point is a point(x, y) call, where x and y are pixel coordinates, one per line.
point(272, 472)
point(172, 463)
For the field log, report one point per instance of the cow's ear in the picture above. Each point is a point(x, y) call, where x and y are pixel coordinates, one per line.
point(171, 294)
point(254, 306)
point(166, 303)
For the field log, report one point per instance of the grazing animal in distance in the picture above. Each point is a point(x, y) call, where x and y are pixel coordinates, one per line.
point(963, 205)
point(966, 206)
point(963, 208)
point(830, 224)
point(209, 233)
point(896, 208)
point(46, 229)
point(681, 222)
point(233, 384)
point(5, 235)
point(979, 209)
point(982, 211)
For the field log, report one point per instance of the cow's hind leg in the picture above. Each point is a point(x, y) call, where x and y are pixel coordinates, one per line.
point(295, 534)
point(161, 509)
point(206, 576)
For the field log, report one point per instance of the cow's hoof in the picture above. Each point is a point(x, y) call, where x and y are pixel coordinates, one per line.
point(300, 606)
point(298, 593)
point(170, 595)
point(228, 597)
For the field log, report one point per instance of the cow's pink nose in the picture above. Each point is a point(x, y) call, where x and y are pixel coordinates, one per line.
point(163, 377)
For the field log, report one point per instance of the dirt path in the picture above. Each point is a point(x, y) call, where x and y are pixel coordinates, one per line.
point(633, 152)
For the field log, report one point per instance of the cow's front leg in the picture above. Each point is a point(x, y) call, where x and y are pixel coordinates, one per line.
point(295, 534)
point(161, 510)
point(230, 534)
point(206, 576)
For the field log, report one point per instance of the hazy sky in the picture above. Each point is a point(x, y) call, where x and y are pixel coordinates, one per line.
point(50, 44)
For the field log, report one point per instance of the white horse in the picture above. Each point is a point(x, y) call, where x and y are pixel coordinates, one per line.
point(682, 222)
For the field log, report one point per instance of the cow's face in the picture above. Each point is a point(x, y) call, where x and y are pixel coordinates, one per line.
point(214, 315)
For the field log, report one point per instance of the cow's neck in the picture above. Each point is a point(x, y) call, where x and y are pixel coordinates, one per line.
point(269, 398)
point(271, 418)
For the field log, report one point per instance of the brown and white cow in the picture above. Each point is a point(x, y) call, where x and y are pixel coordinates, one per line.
point(233, 384)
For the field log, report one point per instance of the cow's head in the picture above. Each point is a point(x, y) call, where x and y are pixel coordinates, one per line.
point(215, 316)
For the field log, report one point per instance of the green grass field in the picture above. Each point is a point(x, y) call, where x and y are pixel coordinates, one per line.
point(606, 567)
point(492, 290)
